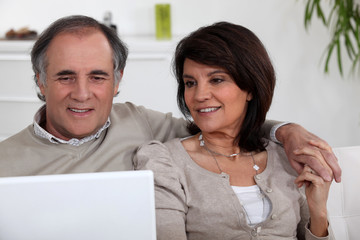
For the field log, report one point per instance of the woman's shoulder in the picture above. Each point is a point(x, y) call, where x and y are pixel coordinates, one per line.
point(155, 154)
point(275, 148)
point(155, 147)
point(278, 158)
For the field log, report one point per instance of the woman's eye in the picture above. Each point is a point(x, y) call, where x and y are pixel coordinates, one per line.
point(217, 80)
point(189, 84)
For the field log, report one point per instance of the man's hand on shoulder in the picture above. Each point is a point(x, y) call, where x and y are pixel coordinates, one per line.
point(303, 147)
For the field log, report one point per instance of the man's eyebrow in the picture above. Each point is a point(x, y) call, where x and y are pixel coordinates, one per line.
point(65, 72)
point(98, 72)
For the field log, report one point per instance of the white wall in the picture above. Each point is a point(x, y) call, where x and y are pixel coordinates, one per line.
point(328, 105)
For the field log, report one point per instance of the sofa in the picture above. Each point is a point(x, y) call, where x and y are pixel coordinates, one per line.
point(344, 198)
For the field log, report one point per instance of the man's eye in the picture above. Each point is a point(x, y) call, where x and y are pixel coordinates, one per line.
point(66, 79)
point(97, 78)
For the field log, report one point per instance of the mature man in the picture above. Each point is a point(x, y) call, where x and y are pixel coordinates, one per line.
point(78, 64)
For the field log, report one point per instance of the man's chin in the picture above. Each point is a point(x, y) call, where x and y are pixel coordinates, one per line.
point(78, 134)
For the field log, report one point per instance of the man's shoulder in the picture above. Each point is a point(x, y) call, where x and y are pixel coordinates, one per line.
point(123, 106)
point(122, 109)
point(19, 145)
point(137, 112)
point(18, 138)
point(128, 117)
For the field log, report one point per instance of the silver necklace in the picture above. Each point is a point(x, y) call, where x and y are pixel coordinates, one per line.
point(212, 153)
point(202, 144)
point(255, 166)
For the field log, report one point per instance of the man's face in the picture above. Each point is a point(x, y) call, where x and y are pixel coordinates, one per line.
point(80, 85)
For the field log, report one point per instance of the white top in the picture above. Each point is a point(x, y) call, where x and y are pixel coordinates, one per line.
point(256, 205)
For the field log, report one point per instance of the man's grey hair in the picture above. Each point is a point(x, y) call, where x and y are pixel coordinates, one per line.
point(75, 24)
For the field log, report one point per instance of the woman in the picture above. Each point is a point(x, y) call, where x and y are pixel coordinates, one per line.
point(227, 181)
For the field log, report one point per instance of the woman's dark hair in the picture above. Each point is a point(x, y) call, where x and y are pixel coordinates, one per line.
point(241, 53)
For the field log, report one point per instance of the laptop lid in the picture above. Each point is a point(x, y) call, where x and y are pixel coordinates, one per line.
point(106, 206)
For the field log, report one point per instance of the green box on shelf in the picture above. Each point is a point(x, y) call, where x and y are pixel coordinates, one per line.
point(163, 21)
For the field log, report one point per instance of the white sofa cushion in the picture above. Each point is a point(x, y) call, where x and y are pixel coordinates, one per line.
point(344, 198)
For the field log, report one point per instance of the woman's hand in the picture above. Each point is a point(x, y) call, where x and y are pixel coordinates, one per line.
point(298, 143)
point(317, 191)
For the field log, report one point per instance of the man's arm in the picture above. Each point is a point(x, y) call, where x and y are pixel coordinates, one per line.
point(163, 126)
point(303, 147)
point(311, 150)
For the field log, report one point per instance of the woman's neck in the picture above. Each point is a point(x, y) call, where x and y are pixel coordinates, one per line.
point(220, 142)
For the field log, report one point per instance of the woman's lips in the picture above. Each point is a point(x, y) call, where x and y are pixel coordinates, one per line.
point(209, 109)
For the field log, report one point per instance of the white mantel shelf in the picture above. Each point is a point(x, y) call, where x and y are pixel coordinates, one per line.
point(136, 44)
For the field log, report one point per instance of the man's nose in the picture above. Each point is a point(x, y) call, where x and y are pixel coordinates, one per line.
point(81, 91)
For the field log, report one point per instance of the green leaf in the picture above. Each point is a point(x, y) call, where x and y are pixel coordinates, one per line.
point(338, 47)
point(309, 12)
point(331, 15)
point(330, 49)
point(320, 13)
point(356, 32)
point(355, 62)
point(349, 46)
point(344, 22)
point(307, 16)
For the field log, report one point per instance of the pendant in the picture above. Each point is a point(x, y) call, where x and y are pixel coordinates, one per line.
point(256, 167)
point(201, 140)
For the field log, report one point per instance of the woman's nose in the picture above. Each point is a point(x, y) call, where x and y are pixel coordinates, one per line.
point(203, 92)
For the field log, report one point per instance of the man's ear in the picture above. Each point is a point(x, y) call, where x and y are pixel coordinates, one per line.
point(116, 88)
point(40, 84)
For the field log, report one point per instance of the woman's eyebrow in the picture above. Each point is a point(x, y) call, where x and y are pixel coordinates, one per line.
point(216, 72)
point(209, 74)
point(187, 76)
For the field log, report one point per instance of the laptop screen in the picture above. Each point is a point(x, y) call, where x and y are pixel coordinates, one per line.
point(106, 206)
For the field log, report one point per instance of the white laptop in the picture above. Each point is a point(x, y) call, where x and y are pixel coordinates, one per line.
point(85, 206)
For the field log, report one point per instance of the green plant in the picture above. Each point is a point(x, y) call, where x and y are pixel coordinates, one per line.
point(344, 22)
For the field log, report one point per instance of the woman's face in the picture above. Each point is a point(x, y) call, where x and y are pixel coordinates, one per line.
point(215, 102)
